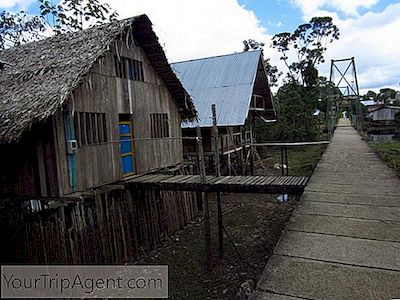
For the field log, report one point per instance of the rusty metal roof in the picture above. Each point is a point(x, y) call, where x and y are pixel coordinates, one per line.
point(226, 80)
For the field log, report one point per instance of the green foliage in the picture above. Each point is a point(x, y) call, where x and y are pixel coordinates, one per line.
point(308, 42)
point(369, 95)
point(296, 105)
point(389, 152)
point(69, 16)
point(384, 95)
point(272, 72)
point(303, 91)
point(251, 44)
point(327, 92)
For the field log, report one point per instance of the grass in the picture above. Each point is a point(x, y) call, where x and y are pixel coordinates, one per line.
point(301, 159)
point(389, 152)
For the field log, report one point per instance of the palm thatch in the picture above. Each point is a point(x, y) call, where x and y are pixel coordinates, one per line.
point(36, 79)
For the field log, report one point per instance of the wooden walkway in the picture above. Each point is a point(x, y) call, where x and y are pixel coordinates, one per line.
point(237, 184)
point(343, 240)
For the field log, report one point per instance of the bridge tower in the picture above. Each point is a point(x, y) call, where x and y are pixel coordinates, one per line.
point(343, 75)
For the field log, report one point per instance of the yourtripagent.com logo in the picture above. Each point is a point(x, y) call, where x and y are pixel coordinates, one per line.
point(84, 282)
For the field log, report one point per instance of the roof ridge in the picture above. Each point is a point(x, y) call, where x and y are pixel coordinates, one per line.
point(216, 56)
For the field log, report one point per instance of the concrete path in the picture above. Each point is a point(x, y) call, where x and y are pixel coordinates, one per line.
point(343, 240)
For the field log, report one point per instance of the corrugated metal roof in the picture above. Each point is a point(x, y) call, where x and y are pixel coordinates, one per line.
point(370, 102)
point(224, 80)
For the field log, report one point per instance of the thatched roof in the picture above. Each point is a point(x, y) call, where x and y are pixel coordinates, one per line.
point(37, 78)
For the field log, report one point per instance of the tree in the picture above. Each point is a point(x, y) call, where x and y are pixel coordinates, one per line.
point(73, 15)
point(296, 120)
point(386, 94)
point(304, 91)
point(327, 93)
point(251, 44)
point(19, 28)
point(69, 16)
point(272, 71)
point(308, 42)
point(370, 95)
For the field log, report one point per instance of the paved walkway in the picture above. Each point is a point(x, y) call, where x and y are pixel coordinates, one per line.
point(343, 241)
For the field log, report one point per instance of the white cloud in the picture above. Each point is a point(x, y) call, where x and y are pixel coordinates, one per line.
point(192, 28)
point(371, 37)
point(15, 4)
point(348, 7)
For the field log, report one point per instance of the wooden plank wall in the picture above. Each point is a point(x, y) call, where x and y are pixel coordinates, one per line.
point(103, 92)
point(150, 96)
point(113, 227)
point(29, 168)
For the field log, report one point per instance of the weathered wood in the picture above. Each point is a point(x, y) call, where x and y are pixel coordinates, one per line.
point(217, 174)
point(239, 184)
point(290, 144)
point(206, 213)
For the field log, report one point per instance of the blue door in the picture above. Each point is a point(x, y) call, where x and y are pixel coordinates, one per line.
point(126, 148)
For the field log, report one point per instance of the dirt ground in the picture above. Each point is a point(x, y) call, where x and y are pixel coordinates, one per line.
point(254, 223)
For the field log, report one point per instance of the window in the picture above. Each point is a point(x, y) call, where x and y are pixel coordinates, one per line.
point(159, 125)
point(90, 128)
point(120, 67)
point(129, 68)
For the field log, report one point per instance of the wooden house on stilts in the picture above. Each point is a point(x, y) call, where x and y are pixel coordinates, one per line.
point(238, 85)
point(85, 109)
point(79, 114)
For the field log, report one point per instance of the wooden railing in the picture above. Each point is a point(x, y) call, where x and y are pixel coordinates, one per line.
point(229, 142)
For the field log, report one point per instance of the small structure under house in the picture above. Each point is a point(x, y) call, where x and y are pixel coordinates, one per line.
point(238, 85)
point(86, 109)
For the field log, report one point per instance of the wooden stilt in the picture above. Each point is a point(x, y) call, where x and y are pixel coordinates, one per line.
point(217, 174)
point(229, 165)
point(251, 146)
point(207, 230)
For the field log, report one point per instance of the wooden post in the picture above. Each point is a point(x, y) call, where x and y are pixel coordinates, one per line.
point(229, 165)
point(203, 179)
point(217, 174)
point(251, 144)
point(286, 162)
point(282, 162)
point(242, 148)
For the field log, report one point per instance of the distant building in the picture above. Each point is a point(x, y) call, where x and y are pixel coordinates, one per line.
point(372, 104)
point(384, 113)
point(238, 85)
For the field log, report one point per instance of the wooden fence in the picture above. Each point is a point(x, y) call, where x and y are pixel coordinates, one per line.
point(110, 227)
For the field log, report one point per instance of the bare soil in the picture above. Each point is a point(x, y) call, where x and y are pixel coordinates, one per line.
point(254, 223)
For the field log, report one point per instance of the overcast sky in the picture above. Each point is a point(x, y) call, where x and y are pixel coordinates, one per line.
point(190, 29)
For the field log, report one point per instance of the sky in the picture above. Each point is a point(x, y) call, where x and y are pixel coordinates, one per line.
point(189, 29)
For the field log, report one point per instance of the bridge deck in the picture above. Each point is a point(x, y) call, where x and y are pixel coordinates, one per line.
point(343, 240)
point(238, 184)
